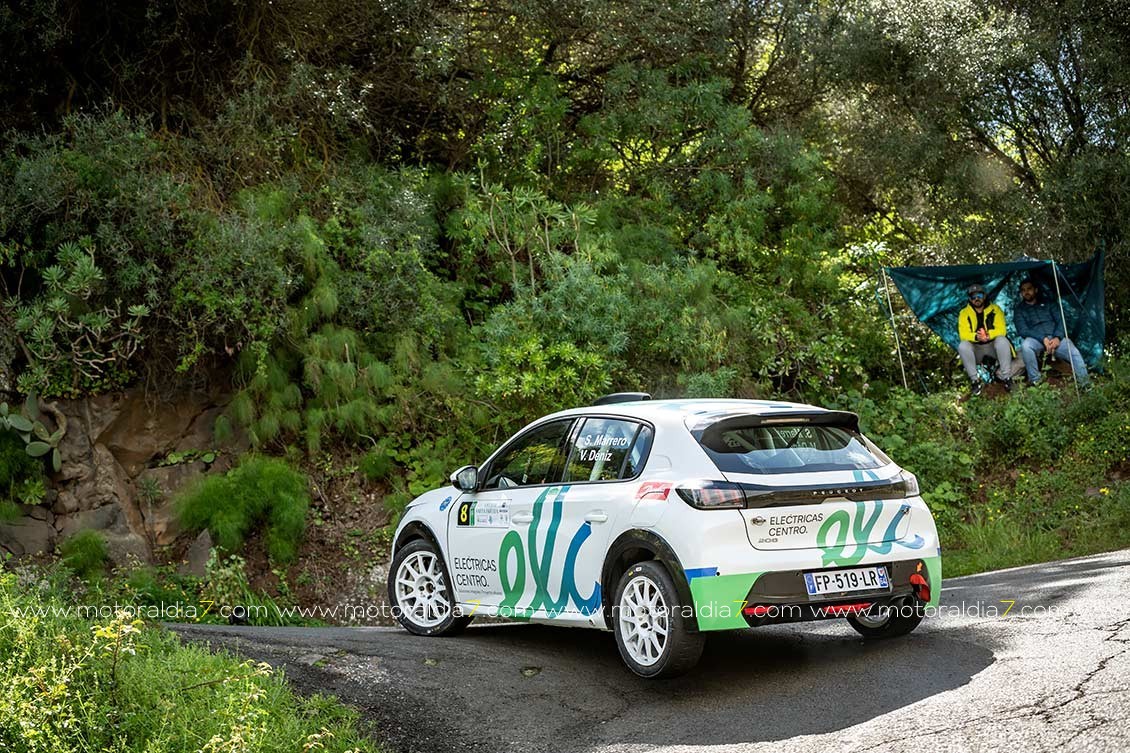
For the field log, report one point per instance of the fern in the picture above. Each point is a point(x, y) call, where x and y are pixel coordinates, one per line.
point(261, 491)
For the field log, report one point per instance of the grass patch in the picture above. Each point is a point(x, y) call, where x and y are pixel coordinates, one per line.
point(85, 554)
point(261, 491)
point(67, 684)
point(996, 544)
point(1013, 538)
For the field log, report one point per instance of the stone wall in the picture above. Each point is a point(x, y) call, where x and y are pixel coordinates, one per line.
point(117, 475)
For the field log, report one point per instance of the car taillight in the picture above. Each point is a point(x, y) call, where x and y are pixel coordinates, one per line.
point(920, 586)
point(712, 495)
point(907, 484)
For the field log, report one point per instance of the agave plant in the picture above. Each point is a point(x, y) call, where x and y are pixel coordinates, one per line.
point(30, 428)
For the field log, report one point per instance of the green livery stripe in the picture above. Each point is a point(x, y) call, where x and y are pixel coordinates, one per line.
point(934, 570)
point(719, 599)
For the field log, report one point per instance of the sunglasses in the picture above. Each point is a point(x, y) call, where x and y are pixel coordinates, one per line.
point(977, 297)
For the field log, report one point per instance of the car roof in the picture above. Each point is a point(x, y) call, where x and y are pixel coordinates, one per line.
point(693, 411)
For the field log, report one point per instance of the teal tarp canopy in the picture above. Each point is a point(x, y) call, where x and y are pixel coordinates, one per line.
point(937, 294)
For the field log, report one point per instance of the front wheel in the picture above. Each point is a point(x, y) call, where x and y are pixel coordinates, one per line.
point(419, 594)
point(888, 621)
point(652, 632)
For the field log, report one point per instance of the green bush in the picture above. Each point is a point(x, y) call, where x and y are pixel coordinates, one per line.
point(1030, 426)
point(225, 585)
point(85, 554)
point(79, 342)
point(261, 491)
point(1104, 443)
point(148, 585)
point(375, 465)
point(21, 477)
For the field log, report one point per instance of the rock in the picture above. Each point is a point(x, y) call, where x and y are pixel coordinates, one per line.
point(163, 524)
point(36, 512)
point(196, 558)
point(312, 659)
point(145, 431)
point(101, 411)
point(106, 483)
point(105, 518)
point(66, 503)
point(160, 512)
point(199, 435)
point(27, 536)
point(85, 419)
point(126, 549)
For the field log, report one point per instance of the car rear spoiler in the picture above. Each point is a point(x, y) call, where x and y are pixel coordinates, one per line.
point(841, 418)
point(757, 495)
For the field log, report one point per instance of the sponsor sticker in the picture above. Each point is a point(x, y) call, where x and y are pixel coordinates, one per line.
point(484, 514)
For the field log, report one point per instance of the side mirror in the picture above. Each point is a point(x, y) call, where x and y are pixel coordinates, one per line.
point(466, 479)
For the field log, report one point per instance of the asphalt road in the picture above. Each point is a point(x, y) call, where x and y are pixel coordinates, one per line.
point(1052, 674)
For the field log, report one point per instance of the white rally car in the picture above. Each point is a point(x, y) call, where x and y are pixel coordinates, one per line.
point(664, 520)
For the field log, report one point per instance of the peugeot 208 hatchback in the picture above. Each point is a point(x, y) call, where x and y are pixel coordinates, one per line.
point(665, 520)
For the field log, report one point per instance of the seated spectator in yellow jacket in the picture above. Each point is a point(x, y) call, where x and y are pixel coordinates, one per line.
point(981, 327)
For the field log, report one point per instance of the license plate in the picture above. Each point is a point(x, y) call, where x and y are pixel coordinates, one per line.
point(839, 581)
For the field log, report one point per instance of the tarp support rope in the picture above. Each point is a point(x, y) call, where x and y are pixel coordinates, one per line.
point(1063, 320)
point(895, 329)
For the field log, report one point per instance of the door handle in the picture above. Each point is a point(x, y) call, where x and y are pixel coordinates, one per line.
point(522, 517)
point(597, 516)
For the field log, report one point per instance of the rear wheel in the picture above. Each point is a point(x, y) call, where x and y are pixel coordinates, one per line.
point(889, 621)
point(419, 594)
point(652, 632)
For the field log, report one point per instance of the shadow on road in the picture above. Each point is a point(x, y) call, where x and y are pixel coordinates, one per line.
point(752, 686)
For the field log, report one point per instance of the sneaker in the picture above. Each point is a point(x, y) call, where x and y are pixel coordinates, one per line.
point(1006, 383)
point(976, 386)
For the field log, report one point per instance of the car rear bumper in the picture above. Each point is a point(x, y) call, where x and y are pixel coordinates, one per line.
point(781, 597)
point(731, 602)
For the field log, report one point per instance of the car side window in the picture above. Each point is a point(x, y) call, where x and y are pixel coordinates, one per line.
point(605, 449)
point(534, 458)
point(633, 464)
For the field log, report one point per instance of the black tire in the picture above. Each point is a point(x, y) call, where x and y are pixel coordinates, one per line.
point(419, 624)
point(681, 648)
point(902, 618)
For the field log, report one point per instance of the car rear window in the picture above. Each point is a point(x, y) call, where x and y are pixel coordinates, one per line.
point(790, 448)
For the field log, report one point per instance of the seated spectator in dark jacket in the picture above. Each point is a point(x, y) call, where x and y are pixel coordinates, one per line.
point(1041, 329)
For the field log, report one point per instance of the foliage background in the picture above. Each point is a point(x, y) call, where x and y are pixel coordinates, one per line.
point(399, 231)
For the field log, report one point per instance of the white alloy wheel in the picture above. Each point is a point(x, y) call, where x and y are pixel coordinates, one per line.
point(645, 620)
point(421, 591)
